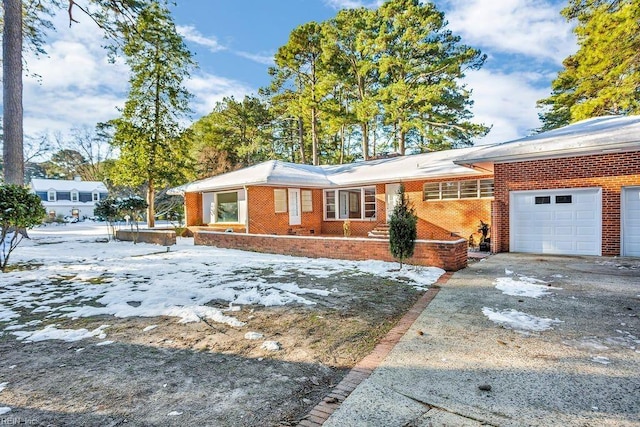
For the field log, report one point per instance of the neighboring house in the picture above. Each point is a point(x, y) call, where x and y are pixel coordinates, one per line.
point(574, 190)
point(74, 198)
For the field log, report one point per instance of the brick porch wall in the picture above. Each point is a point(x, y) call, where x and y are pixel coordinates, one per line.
point(449, 255)
point(611, 172)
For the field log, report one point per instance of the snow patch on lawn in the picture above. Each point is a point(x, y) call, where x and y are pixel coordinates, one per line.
point(4, 410)
point(518, 320)
point(75, 276)
point(52, 333)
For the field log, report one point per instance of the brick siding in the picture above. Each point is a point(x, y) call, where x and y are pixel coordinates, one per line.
point(449, 255)
point(611, 172)
point(193, 209)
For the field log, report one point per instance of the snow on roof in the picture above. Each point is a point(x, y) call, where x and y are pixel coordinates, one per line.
point(272, 172)
point(592, 136)
point(394, 169)
point(39, 184)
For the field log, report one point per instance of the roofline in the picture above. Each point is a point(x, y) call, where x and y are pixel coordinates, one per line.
point(472, 174)
point(618, 147)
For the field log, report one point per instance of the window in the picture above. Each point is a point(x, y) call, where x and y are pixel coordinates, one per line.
point(431, 191)
point(227, 207)
point(486, 188)
point(369, 202)
point(280, 200)
point(307, 201)
point(563, 199)
point(74, 196)
point(330, 204)
point(51, 196)
point(543, 200)
point(353, 203)
point(470, 189)
point(449, 190)
point(95, 197)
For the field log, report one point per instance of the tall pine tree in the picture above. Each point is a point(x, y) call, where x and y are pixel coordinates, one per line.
point(149, 133)
point(603, 76)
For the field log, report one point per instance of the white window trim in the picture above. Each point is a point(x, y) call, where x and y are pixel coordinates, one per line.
point(241, 198)
point(77, 196)
point(95, 196)
point(337, 202)
point(55, 196)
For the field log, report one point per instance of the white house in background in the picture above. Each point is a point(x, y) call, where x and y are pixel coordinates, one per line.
point(74, 198)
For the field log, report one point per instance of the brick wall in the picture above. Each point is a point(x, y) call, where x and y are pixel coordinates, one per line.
point(193, 209)
point(439, 218)
point(449, 255)
point(611, 172)
point(436, 219)
point(263, 218)
point(157, 237)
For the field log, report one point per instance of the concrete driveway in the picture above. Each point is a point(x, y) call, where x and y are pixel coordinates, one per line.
point(515, 340)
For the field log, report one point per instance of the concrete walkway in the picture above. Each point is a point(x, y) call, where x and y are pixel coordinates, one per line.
point(462, 364)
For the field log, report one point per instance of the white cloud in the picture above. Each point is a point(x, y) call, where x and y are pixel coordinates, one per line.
point(208, 89)
point(266, 59)
point(531, 27)
point(77, 86)
point(191, 34)
point(507, 101)
point(353, 4)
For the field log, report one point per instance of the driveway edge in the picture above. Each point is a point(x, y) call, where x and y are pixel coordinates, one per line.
point(323, 410)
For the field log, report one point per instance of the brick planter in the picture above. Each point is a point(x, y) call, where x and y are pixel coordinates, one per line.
point(158, 237)
point(449, 255)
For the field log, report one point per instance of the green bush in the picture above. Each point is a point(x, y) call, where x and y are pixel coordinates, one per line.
point(402, 229)
point(19, 210)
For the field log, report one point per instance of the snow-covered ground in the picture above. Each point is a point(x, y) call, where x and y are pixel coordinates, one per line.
point(66, 272)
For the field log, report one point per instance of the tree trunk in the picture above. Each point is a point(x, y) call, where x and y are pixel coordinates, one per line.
point(303, 157)
point(314, 137)
point(365, 140)
point(151, 210)
point(12, 93)
point(402, 142)
point(342, 144)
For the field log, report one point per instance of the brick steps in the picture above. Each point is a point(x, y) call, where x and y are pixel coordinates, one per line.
point(380, 232)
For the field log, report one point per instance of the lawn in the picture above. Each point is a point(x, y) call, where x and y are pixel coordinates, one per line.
point(98, 333)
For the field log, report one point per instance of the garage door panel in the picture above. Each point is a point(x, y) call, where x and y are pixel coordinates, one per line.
point(631, 221)
point(563, 222)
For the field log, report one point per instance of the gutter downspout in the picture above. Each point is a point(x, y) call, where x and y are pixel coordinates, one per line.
point(246, 200)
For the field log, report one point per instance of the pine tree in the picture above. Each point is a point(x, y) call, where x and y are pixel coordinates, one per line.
point(402, 228)
point(603, 76)
point(149, 133)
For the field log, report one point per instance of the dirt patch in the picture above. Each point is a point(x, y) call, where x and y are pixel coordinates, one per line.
point(158, 371)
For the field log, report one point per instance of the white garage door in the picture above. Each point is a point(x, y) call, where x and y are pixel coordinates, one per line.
point(631, 221)
point(567, 222)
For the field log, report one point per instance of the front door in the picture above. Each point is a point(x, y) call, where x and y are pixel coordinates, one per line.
point(295, 218)
point(392, 198)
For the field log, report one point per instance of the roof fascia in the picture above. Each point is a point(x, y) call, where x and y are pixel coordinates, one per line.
point(624, 147)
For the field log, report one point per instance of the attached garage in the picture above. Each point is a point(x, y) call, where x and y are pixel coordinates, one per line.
point(631, 221)
point(560, 221)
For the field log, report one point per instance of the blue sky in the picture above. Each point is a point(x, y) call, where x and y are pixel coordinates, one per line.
point(234, 42)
